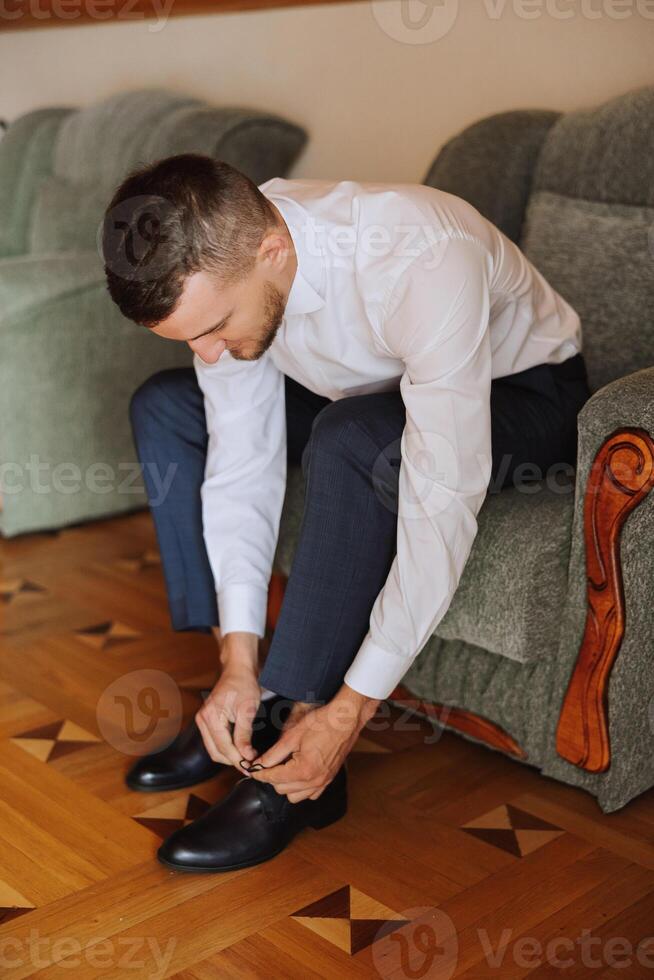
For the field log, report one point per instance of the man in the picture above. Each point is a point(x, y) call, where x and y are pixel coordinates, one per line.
point(405, 352)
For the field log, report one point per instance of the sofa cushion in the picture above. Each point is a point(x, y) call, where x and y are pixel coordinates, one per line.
point(25, 159)
point(69, 363)
point(28, 282)
point(600, 257)
point(588, 228)
point(98, 145)
point(513, 586)
point(490, 164)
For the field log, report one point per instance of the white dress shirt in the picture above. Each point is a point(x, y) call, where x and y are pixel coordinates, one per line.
point(398, 286)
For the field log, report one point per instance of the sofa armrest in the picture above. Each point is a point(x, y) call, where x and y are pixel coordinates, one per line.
point(609, 621)
point(69, 364)
point(29, 281)
point(627, 401)
point(26, 151)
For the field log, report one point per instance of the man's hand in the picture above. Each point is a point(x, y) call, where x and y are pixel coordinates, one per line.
point(235, 700)
point(318, 740)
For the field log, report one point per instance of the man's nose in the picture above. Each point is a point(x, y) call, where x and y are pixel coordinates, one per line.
point(207, 351)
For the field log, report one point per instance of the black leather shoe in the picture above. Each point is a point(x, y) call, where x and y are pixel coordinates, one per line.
point(186, 762)
point(250, 825)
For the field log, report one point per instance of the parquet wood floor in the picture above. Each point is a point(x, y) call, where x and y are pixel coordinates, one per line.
point(452, 861)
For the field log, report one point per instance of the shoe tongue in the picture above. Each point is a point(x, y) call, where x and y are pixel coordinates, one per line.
point(274, 804)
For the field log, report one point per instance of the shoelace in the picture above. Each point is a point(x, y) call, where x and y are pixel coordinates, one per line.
point(257, 766)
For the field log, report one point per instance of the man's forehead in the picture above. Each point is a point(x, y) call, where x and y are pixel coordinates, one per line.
point(201, 288)
point(201, 306)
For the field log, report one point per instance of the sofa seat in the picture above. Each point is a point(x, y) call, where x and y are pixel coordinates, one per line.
point(513, 586)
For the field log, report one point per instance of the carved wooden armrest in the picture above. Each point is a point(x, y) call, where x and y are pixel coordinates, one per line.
point(621, 476)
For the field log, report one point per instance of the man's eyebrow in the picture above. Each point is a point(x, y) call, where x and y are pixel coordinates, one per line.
point(217, 326)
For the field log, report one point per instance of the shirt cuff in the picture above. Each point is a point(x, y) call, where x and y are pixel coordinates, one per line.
point(242, 607)
point(376, 672)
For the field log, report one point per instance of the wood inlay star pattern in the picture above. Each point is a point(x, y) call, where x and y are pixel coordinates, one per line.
point(10, 590)
point(444, 825)
point(512, 830)
point(349, 919)
point(54, 740)
point(103, 635)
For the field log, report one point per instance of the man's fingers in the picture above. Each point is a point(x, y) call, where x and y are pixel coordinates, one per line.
point(243, 732)
point(297, 786)
point(218, 722)
point(209, 742)
point(286, 744)
point(288, 773)
point(298, 797)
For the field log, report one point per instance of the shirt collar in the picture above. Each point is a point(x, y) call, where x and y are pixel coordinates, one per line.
point(305, 295)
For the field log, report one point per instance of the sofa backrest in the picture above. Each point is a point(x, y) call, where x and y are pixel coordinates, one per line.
point(490, 164)
point(589, 228)
point(576, 192)
point(92, 149)
point(25, 159)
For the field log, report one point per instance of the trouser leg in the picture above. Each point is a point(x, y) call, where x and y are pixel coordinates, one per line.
point(347, 538)
point(534, 421)
point(170, 434)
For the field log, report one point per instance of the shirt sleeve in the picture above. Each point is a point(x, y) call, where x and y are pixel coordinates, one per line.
point(436, 323)
point(244, 483)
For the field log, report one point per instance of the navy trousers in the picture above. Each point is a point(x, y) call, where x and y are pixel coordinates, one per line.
point(347, 536)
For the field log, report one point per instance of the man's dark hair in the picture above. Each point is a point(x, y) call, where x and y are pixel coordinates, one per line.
point(180, 215)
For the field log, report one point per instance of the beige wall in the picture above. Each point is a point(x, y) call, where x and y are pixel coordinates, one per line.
point(377, 106)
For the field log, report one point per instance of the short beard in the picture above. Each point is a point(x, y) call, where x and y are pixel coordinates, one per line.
point(274, 307)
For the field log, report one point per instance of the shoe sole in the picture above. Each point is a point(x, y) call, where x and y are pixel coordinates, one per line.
point(231, 867)
point(180, 785)
point(318, 825)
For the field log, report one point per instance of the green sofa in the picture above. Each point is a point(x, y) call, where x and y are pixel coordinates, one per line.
point(69, 360)
point(547, 649)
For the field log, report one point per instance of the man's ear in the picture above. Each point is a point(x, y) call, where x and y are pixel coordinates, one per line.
point(274, 250)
